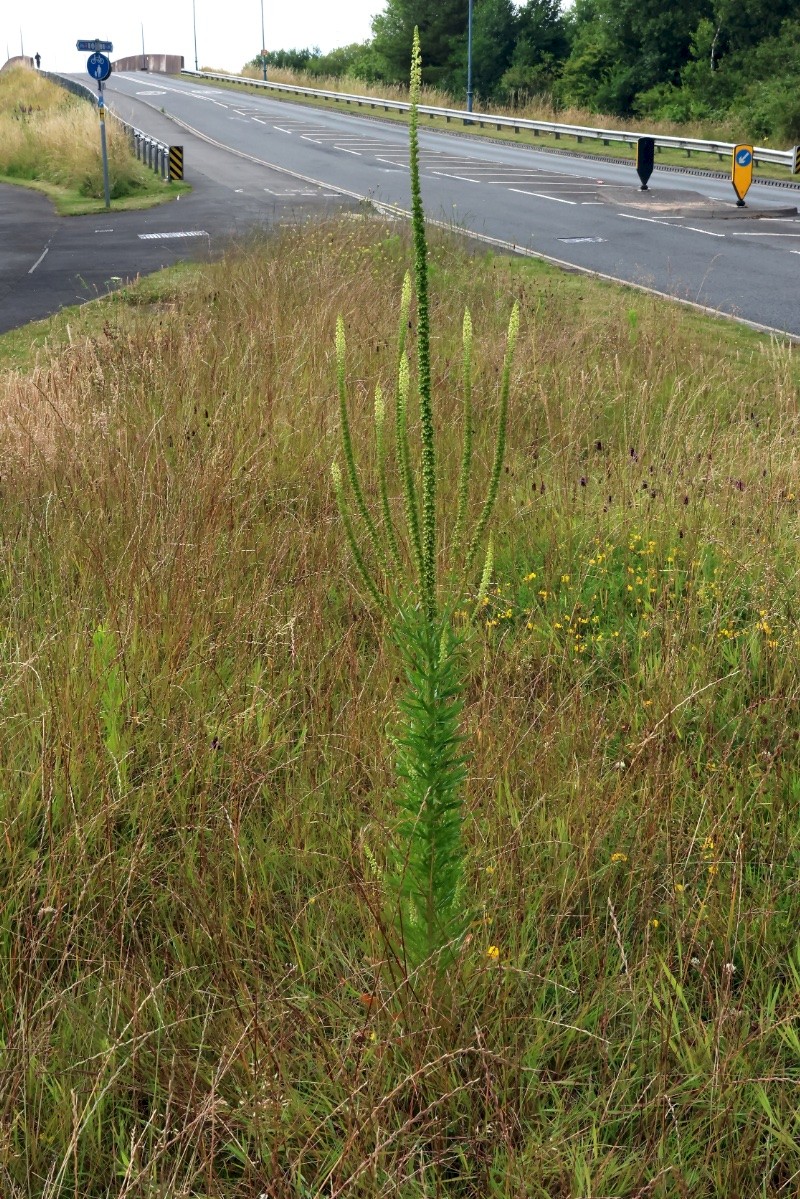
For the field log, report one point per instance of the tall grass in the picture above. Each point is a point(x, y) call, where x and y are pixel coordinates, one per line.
point(50, 135)
point(194, 779)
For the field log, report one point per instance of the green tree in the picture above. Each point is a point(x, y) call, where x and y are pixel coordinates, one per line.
point(624, 47)
point(442, 28)
point(494, 35)
point(541, 48)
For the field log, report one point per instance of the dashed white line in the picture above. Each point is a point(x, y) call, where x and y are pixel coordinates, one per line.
point(541, 196)
point(648, 220)
point(765, 235)
point(40, 259)
point(345, 150)
point(461, 178)
point(652, 221)
point(167, 236)
point(694, 229)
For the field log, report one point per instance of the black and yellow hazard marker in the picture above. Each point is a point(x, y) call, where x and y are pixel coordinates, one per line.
point(175, 163)
point(796, 166)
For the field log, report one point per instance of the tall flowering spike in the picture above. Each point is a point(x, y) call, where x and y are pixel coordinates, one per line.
point(486, 577)
point(466, 450)
point(500, 443)
point(404, 466)
point(383, 487)
point(352, 540)
point(423, 346)
point(405, 308)
point(347, 445)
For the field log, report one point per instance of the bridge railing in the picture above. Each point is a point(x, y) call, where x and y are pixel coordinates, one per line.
point(761, 154)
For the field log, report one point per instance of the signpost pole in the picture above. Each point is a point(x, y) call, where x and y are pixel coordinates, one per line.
point(102, 108)
point(99, 67)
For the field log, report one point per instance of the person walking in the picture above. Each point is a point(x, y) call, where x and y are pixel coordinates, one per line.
point(37, 58)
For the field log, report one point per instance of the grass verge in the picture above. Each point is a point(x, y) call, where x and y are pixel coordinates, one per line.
point(195, 794)
point(50, 141)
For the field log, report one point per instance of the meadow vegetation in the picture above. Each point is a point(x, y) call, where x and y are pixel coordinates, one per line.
point(50, 137)
point(199, 802)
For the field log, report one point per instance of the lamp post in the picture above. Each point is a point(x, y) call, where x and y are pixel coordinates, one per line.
point(194, 27)
point(469, 59)
point(263, 44)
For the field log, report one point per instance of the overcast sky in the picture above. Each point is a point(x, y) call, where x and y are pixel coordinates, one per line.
point(227, 34)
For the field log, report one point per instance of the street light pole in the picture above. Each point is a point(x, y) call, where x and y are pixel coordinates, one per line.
point(194, 27)
point(469, 59)
point(263, 44)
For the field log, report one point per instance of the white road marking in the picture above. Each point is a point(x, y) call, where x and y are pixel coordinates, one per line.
point(652, 221)
point(461, 178)
point(649, 220)
point(693, 229)
point(541, 196)
point(166, 236)
point(345, 150)
point(765, 235)
point(40, 259)
point(259, 121)
point(280, 128)
point(104, 230)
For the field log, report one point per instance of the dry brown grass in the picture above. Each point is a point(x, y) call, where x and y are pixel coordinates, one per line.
point(197, 785)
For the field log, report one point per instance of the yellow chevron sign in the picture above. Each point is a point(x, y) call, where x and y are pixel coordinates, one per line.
point(742, 171)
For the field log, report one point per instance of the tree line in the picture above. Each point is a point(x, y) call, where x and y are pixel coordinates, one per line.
point(678, 60)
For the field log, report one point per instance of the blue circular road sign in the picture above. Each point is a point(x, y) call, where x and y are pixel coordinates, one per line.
point(744, 158)
point(98, 66)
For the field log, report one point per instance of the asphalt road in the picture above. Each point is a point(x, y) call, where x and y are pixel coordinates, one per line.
point(684, 238)
point(48, 262)
point(256, 160)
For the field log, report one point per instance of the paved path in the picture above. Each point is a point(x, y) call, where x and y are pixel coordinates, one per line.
point(47, 261)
